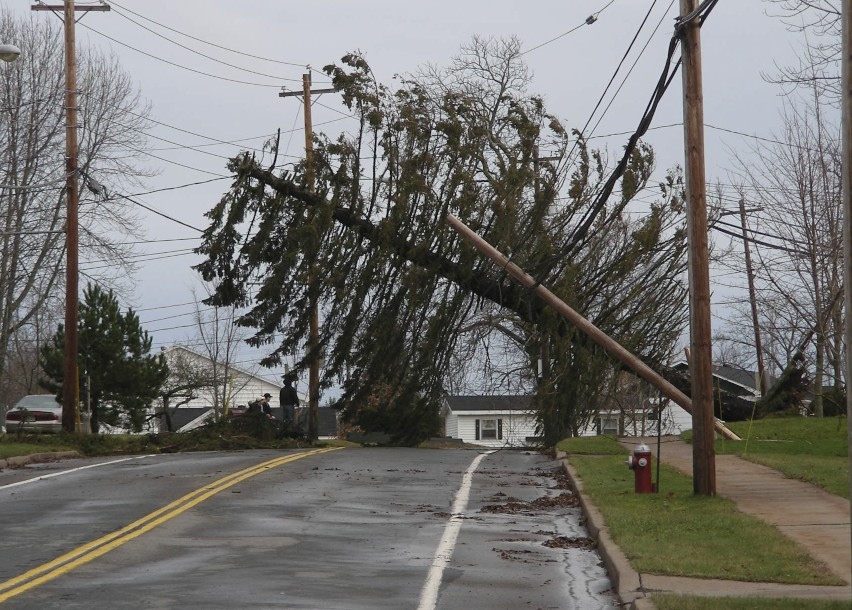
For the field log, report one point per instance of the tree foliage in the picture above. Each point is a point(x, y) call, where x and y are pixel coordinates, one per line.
point(397, 287)
point(118, 377)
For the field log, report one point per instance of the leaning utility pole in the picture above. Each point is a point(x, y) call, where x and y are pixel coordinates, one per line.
point(846, 188)
point(762, 381)
point(70, 381)
point(313, 332)
point(701, 362)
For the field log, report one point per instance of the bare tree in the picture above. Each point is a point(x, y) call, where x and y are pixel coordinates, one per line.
point(797, 184)
point(188, 379)
point(32, 136)
point(219, 338)
point(819, 66)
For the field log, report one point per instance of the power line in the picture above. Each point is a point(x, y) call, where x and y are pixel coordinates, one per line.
point(589, 21)
point(632, 67)
point(612, 78)
point(191, 50)
point(181, 186)
point(176, 65)
point(286, 63)
point(170, 162)
point(157, 212)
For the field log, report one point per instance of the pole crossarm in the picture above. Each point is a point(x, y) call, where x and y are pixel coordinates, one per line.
point(77, 9)
point(302, 93)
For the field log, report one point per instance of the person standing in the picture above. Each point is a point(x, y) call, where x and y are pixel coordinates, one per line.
point(289, 400)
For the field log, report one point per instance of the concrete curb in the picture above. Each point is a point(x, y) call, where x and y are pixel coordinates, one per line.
point(625, 580)
point(37, 458)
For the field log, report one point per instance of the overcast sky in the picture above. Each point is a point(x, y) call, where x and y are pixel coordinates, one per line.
point(200, 100)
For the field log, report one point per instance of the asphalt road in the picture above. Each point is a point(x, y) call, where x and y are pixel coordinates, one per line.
point(340, 529)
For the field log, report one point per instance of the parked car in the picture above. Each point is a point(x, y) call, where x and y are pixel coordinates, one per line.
point(36, 412)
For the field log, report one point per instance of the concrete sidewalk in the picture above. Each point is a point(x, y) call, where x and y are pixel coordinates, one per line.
point(813, 518)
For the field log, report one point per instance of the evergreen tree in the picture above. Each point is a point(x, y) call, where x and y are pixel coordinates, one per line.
point(119, 378)
point(397, 287)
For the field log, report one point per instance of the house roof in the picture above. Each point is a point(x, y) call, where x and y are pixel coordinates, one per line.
point(247, 373)
point(733, 374)
point(489, 403)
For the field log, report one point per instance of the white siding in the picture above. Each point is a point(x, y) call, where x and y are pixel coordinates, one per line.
point(244, 386)
point(451, 426)
point(517, 426)
point(675, 420)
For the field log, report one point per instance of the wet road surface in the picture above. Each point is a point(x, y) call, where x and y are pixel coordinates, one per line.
point(346, 529)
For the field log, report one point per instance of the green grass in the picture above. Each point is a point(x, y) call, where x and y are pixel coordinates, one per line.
point(789, 435)
point(685, 602)
point(10, 447)
point(680, 534)
point(810, 449)
point(591, 445)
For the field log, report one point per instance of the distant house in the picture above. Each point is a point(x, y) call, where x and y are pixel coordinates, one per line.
point(491, 421)
point(243, 387)
point(635, 415)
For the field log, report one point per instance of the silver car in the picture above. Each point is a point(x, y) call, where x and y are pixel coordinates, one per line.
point(36, 412)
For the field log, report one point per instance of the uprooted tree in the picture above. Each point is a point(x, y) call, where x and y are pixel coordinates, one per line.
point(397, 287)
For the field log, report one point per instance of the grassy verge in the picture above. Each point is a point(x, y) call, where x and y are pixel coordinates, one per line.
point(13, 448)
point(684, 602)
point(680, 534)
point(806, 448)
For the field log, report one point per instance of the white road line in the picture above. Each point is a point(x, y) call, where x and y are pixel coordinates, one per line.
point(56, 474)
point(429, 593)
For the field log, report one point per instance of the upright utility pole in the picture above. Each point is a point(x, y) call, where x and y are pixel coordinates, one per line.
point(313, 331)
point(763, 382)
point(846, 135)
point(70, 382)
point(701, 364)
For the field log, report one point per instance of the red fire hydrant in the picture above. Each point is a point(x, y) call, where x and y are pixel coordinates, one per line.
point(640, 464)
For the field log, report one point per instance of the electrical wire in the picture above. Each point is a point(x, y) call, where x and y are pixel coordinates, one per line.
point(191, 50)
point(614, 74)
point(177, 65)
point(629, 71)
point(170, 162)
point(182, 186)
point(589, 21)
point(155, 211)
point(207, 42)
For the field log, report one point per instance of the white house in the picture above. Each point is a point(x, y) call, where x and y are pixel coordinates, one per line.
point(242, 388)
point(641, 421)
point(492, 421)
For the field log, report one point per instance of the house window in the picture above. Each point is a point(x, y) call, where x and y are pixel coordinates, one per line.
point(609, 426)
point(489, 429)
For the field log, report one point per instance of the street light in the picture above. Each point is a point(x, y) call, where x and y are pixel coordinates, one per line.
point(9, 52)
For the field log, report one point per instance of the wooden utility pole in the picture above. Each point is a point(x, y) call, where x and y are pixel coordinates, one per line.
point(701, 364)
point(313, 331)
point(70, 381)
point(846, 136)
point(763, 382)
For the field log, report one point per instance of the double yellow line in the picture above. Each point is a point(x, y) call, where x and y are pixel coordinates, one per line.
point(92, 550)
